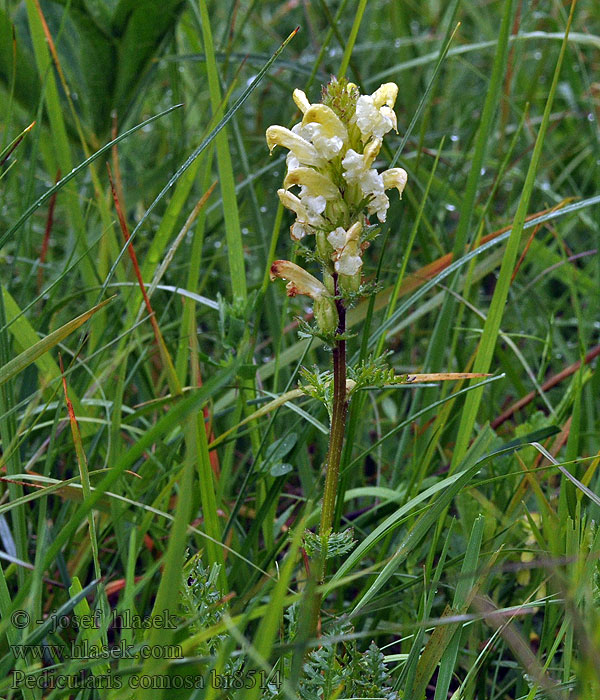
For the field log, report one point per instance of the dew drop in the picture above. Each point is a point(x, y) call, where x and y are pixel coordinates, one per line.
point(454, 137)
point(450, 207)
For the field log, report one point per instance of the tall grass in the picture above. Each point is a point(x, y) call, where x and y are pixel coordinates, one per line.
point(177, 481)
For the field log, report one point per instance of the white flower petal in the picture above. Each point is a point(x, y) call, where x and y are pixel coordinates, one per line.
point(348, 264)
point(354, 165)
point(315, 205)
point(298, 231)
point(371, 182)
point(371, 121)
point(379, 205)
point(337, 238)
point(292, 162)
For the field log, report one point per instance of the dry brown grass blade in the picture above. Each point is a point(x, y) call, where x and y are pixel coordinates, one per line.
point(5, 155)
point(548, 384)
point(47, 231)
point(443, 377)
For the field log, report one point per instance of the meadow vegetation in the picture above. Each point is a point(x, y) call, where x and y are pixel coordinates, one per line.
point(164, 422)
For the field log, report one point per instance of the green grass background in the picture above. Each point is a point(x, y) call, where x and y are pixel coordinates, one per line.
point(476, 565)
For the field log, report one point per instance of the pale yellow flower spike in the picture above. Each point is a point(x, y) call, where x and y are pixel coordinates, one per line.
point(331, 158)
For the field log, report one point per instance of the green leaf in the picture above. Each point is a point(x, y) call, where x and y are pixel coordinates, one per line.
point(485, 353)
point(281, 469)
point(34, 352)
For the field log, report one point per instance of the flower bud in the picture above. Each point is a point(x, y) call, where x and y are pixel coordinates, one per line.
point(323, 247)
point(326, 314)
point(301, 100)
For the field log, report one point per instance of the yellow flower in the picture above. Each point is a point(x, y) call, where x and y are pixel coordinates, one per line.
point(346, 249)
point(395, 177)
point(313, 181)
point(304, 151)
point(302, 282)
point(374, 113)
point(331, 156)
point(327, 132)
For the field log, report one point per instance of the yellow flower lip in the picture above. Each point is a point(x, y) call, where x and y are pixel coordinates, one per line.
point(385, 95)
point(395, 177)
point(300, 281)
point(327, 118)
point(372, 151)
point(303, 150)
point(353, 233)
point(301, 100)
point(313, 180)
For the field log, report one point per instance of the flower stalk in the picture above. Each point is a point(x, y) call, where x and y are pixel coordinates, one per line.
point(331, 160)
point(336, 435)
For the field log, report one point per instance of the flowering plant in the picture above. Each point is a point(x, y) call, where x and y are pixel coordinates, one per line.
point(331, 156)
point(331, 159)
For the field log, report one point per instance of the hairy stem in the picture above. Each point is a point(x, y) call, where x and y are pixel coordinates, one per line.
point(338, 428)
point(334, 454)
